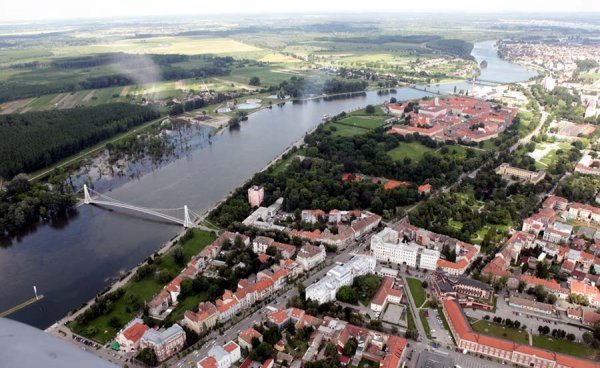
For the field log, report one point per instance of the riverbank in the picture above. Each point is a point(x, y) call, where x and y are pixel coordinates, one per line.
point(164, 248)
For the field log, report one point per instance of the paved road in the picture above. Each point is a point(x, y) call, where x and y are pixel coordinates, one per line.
point(415, 310)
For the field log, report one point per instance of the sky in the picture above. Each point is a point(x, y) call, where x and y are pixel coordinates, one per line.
point(18, 10)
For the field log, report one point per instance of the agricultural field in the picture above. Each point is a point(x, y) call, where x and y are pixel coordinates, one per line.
point(162, 45)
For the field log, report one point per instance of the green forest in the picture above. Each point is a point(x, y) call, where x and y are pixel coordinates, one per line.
point(34, 140)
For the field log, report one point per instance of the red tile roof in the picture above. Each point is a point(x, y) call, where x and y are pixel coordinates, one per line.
point(135, 332)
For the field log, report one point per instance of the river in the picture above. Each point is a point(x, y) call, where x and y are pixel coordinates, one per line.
point(72, 262)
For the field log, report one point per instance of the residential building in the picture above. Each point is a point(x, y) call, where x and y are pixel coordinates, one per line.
point(310, 256)
point(164, 343)
point(256, 194)
point(221, 356)
point(531, 305)
point(590, 291)
point(245, 338)
point(203, 320)
point(550, 286)
point(588, 165)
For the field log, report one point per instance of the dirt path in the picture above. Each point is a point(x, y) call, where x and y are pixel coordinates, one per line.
point(89, 96)
point(124, 91)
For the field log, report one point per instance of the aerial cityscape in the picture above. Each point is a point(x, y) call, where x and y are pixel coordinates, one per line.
point(305, 185)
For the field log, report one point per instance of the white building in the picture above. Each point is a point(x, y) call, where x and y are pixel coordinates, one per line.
point(310, 256)
point(548, 83)
point(387, 247)
point(325, 289)
point(222, 357)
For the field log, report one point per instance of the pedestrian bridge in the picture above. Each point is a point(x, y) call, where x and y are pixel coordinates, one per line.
point(187, 219)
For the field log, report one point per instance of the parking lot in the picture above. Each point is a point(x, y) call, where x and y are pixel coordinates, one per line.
point(438, 332)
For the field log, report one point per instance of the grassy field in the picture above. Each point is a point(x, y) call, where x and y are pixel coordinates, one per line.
point(566, 347)
point(543, 342)
point(425, 323)
point(413, 150)
point(359, 122)
point(100, 328)
point(494, 329)
point(417, 291)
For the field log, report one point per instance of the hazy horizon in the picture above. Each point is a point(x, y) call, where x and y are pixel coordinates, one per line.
point(37, 10)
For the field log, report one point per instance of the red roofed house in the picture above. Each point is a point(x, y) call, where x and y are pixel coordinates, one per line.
point(245, 338)
point(549, 285)
point(425, 189)
point(129, 337)
point(205, 319)
point(591, 292)
point(386, 294)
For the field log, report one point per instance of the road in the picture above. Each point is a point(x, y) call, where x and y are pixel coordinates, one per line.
point(533, 133)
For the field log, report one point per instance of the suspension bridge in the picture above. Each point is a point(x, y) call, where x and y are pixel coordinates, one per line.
point(169, 214)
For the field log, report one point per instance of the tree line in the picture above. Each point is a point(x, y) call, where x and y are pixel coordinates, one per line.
point(23, 203)
point(34, 140)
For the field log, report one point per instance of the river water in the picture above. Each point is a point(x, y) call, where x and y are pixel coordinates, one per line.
point(72, 262)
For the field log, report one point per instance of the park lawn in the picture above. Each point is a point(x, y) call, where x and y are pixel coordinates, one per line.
point(494, 329)
point(342, 130)
point(100, 329)
point(363, 112)
point(188, 303)
point(566, 347)
point(413, 150)
point(417, 291)
point(425, 323)
point(366, 122)
point(552, 156)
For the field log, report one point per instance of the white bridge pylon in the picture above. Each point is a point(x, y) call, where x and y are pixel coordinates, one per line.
point(105, 200)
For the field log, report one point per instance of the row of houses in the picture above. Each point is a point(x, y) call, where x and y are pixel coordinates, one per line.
point(382, 350)
point(345, 235)
point(247, 294)
point(160, 306)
